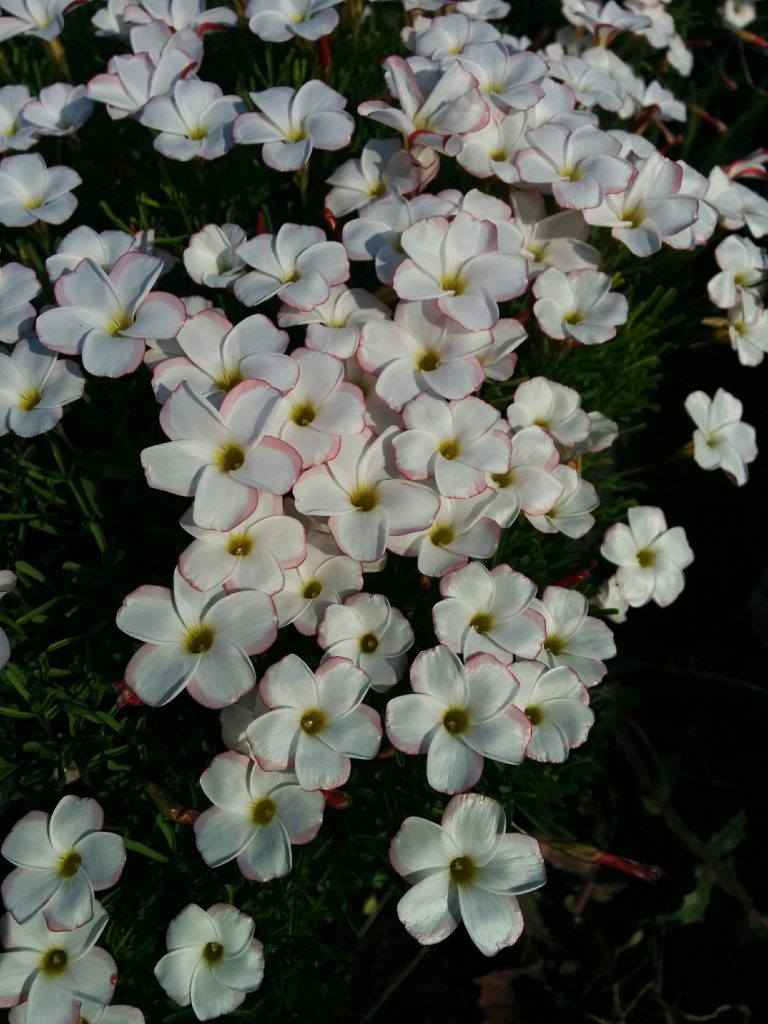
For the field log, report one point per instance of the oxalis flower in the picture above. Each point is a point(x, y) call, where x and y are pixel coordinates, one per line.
point(256, 817)
point(316, 721)
point(557, 705)
point(573, 638)
point(34, 387)
point(721, 440)
point(61, 859)
point(222, 457)
point(107, 318)
point(31, 191)
point(201, 641)
point(54, 973)
point(457, 716)
point(467, 869)
point(214, 960)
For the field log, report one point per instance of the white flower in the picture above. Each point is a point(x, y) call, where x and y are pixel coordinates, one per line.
point(492, 150)
point(41, 18)
point(570, 513)
point(458, 263)
point(214, 960)
point(179, 15)
point(557, 706)
point(34, 386)
point(738, 14)
point(196, 122)
point(489, 612)
point(14, 134)
point(721, 440)
point(743, 267)
point(216, 356)
point(458, 715)
point(382, 167)
point(93, 1013)
point(460, 530)
point(748, 330)
point(335, 326)
point(456, 442)
point(528, 484)
point(61, 860)
point(365, 500)
point(291, 123)
point(315, 722)
point(572, 637)
point(30, 191)
point(201, 641)
point(211, 257)
point(556, 408)
point(736, 204)
point(651, 558)
point(509, 80)
point(609, 596)
point(252, 555)
point(54, 972)
point(578, 305)
point(278, 21)
point(447, 35)
point(60, 109)
point(556, 241)
point(18, 284)
point(103, 247)
point(465, 869)
point(297, 264)
point(325, 577)
point(256, 817)
point(221, 456)
point(371, 633)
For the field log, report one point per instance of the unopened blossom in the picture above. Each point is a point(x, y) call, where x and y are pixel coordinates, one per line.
point(131, 80)
point(488, 612)
point(297, 264)
point(437, 107)
point(18, 284)
point(578, 305)
point(103, 247)
point(278, 21)
point(54, 972)
point(545, 403)
point(363, 496)
point(213, 960)
point(60, 109)
point(201, 641)
point(571, 513)
point(315, 722)
point(217, 356)
point(557, 706)
point(256, 817)
point(61, 859)
point(335, 326)
point(211, 257)
point(14, 133)
point(41, 18)
point(252, 555)
point(467, 869)
point(222, 457)
point(291, 123)
point(325, 577)
point(422, 351)
point(457, 443)
point(7, 582)
point(107, 318)
point(721, 440)
point(555, 241)
point(747, 328)
point(650, 556)
point(508, 80)
point(573, 638)
point(528, 484)
point(580, 166)
point(34, 387)
point(179, 15)
point(460, 530)
point(195, 122)
point(371, 633)
point(447, 35)
point(743, 267)
point(458, 263)
point(650, 209)
point(382, 167)
point(31, 191)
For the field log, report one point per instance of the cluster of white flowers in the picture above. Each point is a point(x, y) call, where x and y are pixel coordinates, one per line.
point(309, 466)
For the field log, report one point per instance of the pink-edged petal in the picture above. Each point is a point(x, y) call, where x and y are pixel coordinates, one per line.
point(430, 911)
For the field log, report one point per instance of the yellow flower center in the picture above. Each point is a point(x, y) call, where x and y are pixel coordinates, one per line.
point(456, 721)
point(199, 639)
point(450, 448)
point(69, 864)
point(313, 721)
point(428, 359)
point(462, 870)
point(228, 380)
point(646, 558)
point(302, 414)
point(502, 480)
point(573, 317)
point(368, 643)
point(554, 645)
point(239, 544)
point(442, 534)
point(263, 811)
point(54, 962)
point(482, 623)
point(312, 589)
point(30, 399)
point(33, 203)
point(229, 457)
point(633, 215)
point(118, 324)
point(453, 283)
point(198, 132)
point(364, 498)
point(300, 133)
point(212, 953)
point(534, 714)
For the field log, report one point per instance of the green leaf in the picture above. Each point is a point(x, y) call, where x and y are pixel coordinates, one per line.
point(144, 850)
